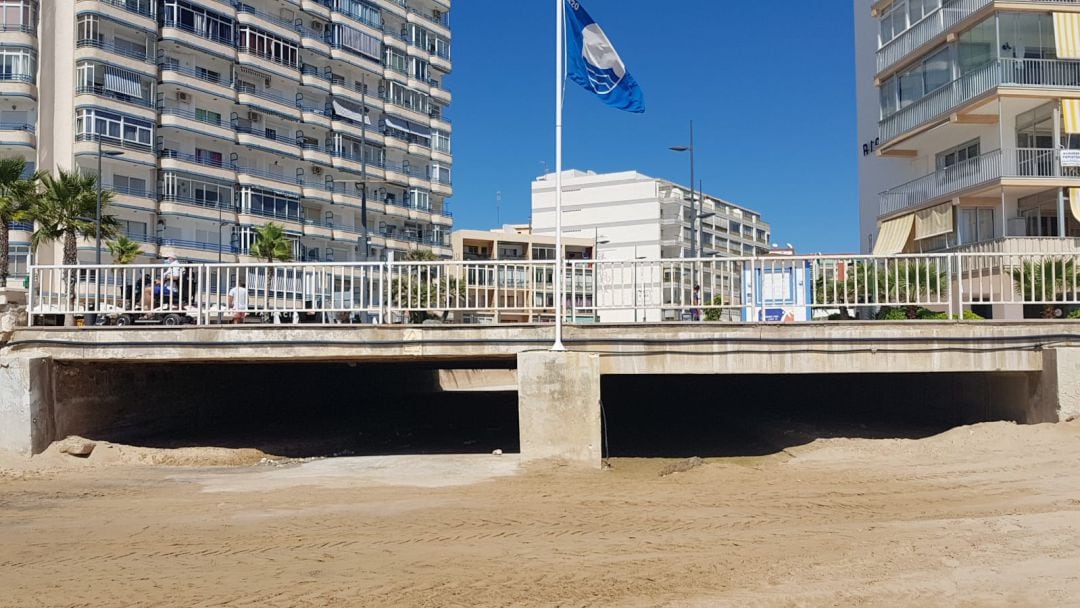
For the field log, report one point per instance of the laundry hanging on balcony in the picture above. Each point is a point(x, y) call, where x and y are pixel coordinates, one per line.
point(122, 82)
point(1067, 35)
point(934, 221)
point(1074, 203)
point(401, 124)
point(893, 235)
point(351, 111)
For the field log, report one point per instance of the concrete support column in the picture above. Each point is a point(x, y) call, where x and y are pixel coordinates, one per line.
point(559, 407)
point(1059, 388)
point(26, 404)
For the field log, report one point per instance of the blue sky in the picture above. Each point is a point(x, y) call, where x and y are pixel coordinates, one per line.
point(769, 86)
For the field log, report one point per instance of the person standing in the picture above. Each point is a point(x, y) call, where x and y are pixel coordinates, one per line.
point(238, 301)
point(695, 301)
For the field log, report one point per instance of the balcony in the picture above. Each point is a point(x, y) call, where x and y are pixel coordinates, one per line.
point(138, 12)
point(1024, 163)
point(267, 139)
point(125, 57)
point(17, 134)
point(930, 28)
point(199, 164)
point(214, 83)
point(18, 85)
point(279, 26)
point(1026, 73)
point(204, 124)
point(202, 38)
point(101, 91)
point(268, 101)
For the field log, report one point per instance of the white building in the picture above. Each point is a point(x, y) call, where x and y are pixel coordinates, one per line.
point(232, 115)
point(634, 216)
point(969, 124)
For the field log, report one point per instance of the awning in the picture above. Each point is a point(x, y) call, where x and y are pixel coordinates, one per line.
point(256, 74)
point(351, 111)
point(122, 82)
point(409, 127)
point(893, 235)
point(1070, 115)
point(1074, 202)
point(1067, 35)
point(934, 221)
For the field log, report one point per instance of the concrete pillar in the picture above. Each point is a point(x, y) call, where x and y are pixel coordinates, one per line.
point(1059, 388)
point(559, 407)
point(26, 404)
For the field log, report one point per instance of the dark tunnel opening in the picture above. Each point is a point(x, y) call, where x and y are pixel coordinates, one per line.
point(755, 415)
point(290, 410)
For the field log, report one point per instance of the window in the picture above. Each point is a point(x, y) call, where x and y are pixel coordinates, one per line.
point(396, 60)
point(412, 99)
point(130, 131)
point(419, 69)
point(18, 261)
point(418, 199)
point(204, 193)
point(957, 155)
point(208, 75)
point(1027, 36)
point(124, 184)
point(893, 22)
point(198, 20)
point(975, 224)
point(929, 75)
point(270, 203)
point(18, 64)
point(977, 47)
point(269, 47)
point(359, 42)
point(208, 157)
point(919, 9)
point(441, 141)
point(135, 231)
point(362, 12)
point(207, 116)
point(18, 15)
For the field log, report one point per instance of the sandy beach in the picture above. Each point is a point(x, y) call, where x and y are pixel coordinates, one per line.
point(986, 515)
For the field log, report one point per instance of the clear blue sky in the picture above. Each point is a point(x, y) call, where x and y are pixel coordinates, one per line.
point(769, 86)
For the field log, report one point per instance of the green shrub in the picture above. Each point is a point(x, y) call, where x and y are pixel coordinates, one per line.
point(1074, 314)
point(900, 314)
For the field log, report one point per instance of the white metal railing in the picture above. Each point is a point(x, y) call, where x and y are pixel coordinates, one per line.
point(933, 25)
point(736, 289)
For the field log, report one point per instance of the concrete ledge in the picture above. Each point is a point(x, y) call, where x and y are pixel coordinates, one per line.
point(1059, 390)
point(559, 407)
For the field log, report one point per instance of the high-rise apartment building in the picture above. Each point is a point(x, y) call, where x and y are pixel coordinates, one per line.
point(969, 124)
point(215, 117)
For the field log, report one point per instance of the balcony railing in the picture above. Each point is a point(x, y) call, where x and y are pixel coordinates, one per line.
point(23, 226)
point(267, 95)
point(198, 159)
point(1048, 73)
point(17, 78)
point(129, 191)
point(269, 18)
point(1018, 163)
point(278, 177)
point(203, 118)
point(18, 27)
point(198, 202)
point(200, 32)
point(219, 79)
point(116, 50)
point(146, 8)
point(101, 91)
point(16, 126)
point(931, 26)
point(270, 57)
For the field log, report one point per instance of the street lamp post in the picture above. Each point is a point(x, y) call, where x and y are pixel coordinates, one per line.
point(596, 270)
point(635, 263)
point(693, 206)
point(97, 224)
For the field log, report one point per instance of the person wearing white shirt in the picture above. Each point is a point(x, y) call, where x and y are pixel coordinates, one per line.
point(238, 301)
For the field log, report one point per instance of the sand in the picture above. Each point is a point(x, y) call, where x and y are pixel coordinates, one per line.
point(987, 515)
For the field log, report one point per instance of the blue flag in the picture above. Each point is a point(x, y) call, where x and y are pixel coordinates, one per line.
point(592, 62)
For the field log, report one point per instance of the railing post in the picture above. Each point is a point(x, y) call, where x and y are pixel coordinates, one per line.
point(960, 284)
point(31, 270)
point(949, 281)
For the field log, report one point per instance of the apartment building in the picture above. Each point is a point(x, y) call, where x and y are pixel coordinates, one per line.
point(525, 287)
point(969, 125)
point(213, 117)
point(633, 216)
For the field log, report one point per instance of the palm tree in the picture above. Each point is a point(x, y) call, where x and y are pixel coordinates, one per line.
point(271, 244)
point(65, 210)
point(912, 283)
point(909, 282)
point(1045, 280)
point(426, 285)
point(16, 195)
point(124, 250)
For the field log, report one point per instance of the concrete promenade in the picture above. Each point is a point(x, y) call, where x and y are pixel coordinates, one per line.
point(1038, 363)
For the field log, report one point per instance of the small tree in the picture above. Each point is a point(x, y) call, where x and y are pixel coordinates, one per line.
point(271, 244)
point(16, 196)
point(124, 250)
point(424, 285)
point(714, 314)
point(1045, 281)
point(911, 283)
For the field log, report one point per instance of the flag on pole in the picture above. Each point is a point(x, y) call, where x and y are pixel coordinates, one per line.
point(592, 62)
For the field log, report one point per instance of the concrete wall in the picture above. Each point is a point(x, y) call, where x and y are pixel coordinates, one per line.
point(559, 407)
point(26, 404)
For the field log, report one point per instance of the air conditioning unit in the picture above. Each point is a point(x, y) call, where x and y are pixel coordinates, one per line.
point(182, 97)
point(316, 170)
point(254, 116)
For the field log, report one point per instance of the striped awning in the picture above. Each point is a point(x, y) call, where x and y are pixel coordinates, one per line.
point(934, 221)
point(351, 111)
point(123, 82)
point(1074, 202)
point(1070, 115)
point(407, 126)
point(1067, 35)
point(893, 235)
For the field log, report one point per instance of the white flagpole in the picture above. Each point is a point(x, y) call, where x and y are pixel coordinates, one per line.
point(560, 16)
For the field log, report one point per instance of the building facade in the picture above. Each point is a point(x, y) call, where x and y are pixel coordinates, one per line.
point(631, 216)
point(522, 287)
point(215, 117)
point(969, 124)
